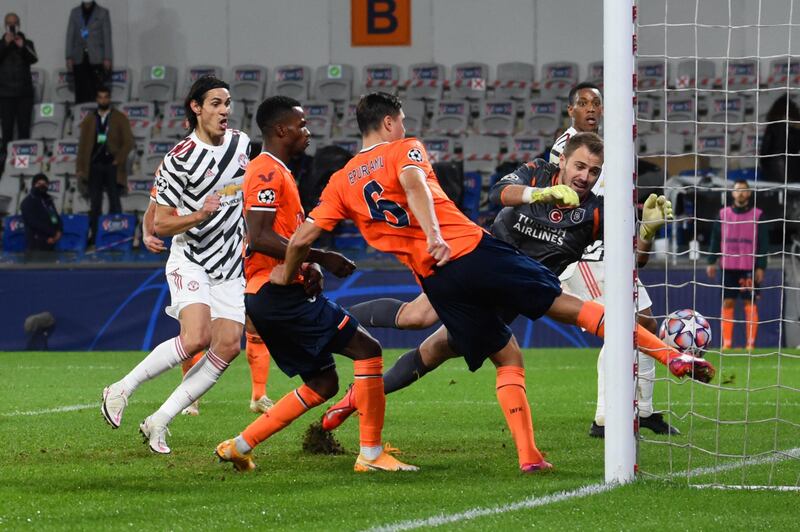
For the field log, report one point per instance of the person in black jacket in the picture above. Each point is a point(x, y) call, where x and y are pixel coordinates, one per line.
point(779, 159)
point(17, 54)
point(42, 223)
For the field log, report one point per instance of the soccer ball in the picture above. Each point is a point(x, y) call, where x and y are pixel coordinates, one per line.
point(687, 331)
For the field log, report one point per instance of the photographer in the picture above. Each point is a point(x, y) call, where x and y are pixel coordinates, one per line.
point(17, 54)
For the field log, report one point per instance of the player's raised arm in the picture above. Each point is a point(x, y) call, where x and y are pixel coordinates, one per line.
point(656, 211)
point(420, 201)
point(515, 189)
point(169, 223)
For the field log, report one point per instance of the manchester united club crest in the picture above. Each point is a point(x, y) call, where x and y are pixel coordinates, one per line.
point(266, 196)
point(193, 286)
point(556, 216)
point(415, 154)
point(243, 160)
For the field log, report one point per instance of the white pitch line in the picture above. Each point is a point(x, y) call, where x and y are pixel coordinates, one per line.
point(585, 491)
point(530, 502)
point(68, 408)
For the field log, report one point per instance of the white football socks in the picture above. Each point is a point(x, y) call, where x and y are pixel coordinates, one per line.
point(371, 452)
point(647, 376)
point(165, 356)
point(197, 381)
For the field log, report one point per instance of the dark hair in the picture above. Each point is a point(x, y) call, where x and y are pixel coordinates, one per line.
point(103, 88)
point(40, 177)
point(742, 182)
point(778, 110)
point(198, 93)
point(372, 109)
point(580, 86)
point(592, 141)
point(272, 111)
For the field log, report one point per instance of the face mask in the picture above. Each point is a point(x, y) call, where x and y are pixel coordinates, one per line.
point(104, 107)
point(40, 191)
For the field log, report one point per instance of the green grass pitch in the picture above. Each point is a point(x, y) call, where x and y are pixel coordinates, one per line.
point(64, 468)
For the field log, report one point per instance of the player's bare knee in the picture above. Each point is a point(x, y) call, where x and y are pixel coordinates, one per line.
point(363, 346)
point(325, 384)
point(196, 340)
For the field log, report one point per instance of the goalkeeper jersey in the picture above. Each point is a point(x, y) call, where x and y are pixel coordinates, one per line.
point(554, 236)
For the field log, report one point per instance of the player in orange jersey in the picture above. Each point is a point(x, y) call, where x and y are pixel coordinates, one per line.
point(302, 327)
point(473, 280)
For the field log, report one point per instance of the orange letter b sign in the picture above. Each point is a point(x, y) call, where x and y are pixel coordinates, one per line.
point(380, 22)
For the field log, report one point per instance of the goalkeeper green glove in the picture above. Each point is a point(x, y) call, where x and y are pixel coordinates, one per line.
point(657, 210)
point(560, 195)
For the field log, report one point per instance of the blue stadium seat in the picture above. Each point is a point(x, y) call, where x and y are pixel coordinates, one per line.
point(13, 234)
point(115, 232)
point(74, 234)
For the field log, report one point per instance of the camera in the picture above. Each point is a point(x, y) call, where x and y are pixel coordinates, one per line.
point(12, 29)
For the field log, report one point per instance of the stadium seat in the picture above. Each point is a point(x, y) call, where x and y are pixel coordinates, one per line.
point(292, 81)
point(13, 234)
point(48, 121)
point(645, 115)
point(380, 76)
point(319, 117)
point(65, 155)
point(661, 143)
point(115, 232)
point(25, 158)
point(680, 112)
point(425, 81)
point(451, 117)
point(701, 74)
point(415, 116)
point(334, 82)
point(194, 72)
point(722, 109)
point(497, 117)
point(120, 84)
point(142, 116)
point(514, 80)
point(542, 116)
point(154, 152)
point(248, 83)
point(348, 126)
point(350, 144)
point(651, 75)
point(79, 112)
point(525, 147)
point(742, 74)
point(237, 115)
point(557, 79)
point(138, 197)
point(254, 131)
point(157, 83)
point(172, 120)
point(440, 149)
point(39, 78)
point(75, 233)
point(469, 80)
point(594, 73)
point(63, 86)
point(481, 153)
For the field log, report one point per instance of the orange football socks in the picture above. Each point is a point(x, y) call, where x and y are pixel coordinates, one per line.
point(727, 327)
point(258, 358)
point(751, 322)
point(513, 400)
point(369, 399)
point(592, 318)
point(291, 406)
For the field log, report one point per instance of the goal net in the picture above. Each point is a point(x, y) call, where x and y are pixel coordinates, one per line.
point(712, 82)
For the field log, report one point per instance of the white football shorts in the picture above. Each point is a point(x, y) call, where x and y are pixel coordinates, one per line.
point(586, 281)
point(189, 284)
